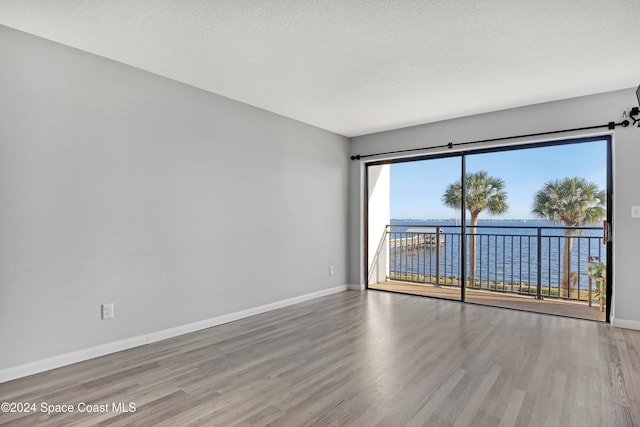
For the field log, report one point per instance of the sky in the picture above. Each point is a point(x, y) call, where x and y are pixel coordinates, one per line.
point(417, 187)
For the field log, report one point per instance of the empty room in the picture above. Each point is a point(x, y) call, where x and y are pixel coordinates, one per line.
point(309, 213)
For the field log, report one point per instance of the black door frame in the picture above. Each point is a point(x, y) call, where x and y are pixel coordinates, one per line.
point(607, 138)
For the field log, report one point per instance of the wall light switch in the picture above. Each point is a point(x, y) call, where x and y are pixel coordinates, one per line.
point(331, 270)
point(635, 211)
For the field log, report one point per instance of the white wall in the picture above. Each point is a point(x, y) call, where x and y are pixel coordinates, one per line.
point(570, 113)
point(177, 205)
point(379, 216)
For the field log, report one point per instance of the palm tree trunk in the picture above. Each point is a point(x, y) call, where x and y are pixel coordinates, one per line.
point(566, 263)
point(472, 251)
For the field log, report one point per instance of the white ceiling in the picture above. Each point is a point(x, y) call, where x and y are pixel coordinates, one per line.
point(359, 66)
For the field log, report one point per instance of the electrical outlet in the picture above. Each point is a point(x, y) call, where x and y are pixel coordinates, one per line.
point(635, 211)
point(107, 311)
point(331, 270)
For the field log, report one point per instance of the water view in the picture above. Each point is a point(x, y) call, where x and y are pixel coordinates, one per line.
point(506, 254)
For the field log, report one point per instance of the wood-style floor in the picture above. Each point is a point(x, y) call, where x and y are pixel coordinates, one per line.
point(359, 359)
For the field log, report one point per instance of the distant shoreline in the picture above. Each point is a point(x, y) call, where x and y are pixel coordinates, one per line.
point(507, 223)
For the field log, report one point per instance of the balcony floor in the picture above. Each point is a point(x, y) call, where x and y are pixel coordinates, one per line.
point(575, 309)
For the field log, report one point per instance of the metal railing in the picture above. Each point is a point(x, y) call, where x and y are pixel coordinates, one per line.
point(527, 260)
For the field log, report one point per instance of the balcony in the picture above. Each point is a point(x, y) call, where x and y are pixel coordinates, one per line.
point(533, 268)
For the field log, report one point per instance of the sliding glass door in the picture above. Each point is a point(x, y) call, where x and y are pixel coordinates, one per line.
point(420, 235)
point(538, 234)
point(522, 230)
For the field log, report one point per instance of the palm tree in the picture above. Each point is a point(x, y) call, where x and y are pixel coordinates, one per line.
point(574, 202)
point(483, 192)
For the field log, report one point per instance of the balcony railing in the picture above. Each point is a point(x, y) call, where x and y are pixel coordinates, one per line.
point(525, 260)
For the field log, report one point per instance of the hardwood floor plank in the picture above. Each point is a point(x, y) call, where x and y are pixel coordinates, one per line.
point(358, 359)
point(514, 406)
point(473, 404)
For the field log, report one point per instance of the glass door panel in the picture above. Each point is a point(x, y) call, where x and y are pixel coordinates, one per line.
point(535, 229)
point(420, 244)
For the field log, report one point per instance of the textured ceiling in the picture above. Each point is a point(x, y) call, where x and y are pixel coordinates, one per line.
point(359, 66)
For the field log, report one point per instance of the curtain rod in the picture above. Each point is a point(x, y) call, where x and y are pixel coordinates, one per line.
point(610, 126)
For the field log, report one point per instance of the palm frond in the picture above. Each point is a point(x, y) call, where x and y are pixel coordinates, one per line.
point(572, 201)
point(483, 192)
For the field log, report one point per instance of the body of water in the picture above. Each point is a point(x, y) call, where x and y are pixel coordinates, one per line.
point(506, 252)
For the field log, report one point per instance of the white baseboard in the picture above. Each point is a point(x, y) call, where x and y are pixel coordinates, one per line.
point(69, 358)
point(355, 287)
point(226, 318)
point(113, 347)
point(626, 324)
